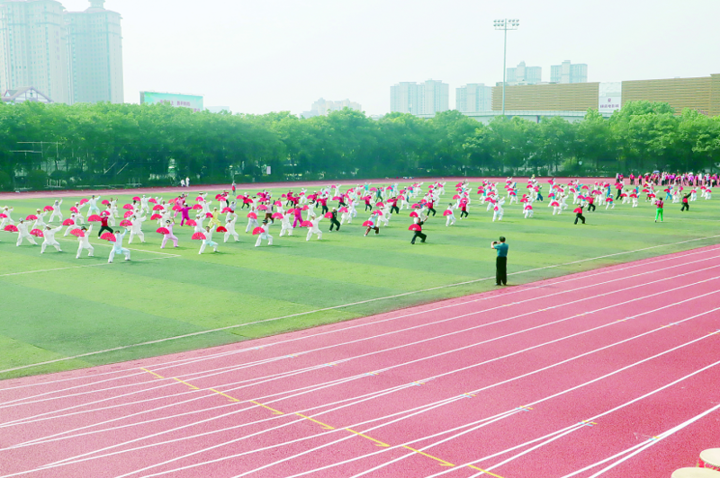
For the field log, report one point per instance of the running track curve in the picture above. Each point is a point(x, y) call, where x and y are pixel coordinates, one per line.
point(612, 372)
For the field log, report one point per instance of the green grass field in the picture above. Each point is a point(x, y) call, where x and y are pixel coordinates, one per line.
point(54, 306)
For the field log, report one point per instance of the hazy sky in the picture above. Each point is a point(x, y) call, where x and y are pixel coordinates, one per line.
point(281, 55)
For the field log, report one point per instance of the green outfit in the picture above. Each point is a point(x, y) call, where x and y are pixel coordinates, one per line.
point(659, 214)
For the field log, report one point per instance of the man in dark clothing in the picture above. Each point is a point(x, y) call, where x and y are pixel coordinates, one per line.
point(104, 226)
point(591, 203)
point(419, 233)
point(334, 220)
point(579, 215)
point(394, 208)
point(501, 261)
point(686, 203)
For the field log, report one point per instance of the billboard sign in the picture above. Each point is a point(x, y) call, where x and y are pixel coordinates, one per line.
point(608, 104)
point(175, 100)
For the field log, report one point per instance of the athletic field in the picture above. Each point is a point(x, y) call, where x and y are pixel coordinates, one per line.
point(64, 313)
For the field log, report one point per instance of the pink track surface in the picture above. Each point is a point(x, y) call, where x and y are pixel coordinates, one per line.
point(254, 187)
point(501, 381)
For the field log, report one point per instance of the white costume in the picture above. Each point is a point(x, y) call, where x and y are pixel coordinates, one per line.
point(24, 234)
point(84, 243)
point(56, 211)
point(136, 229)
point(208, 242)
point(264, 236)
point(314, 229)
point(117, 247)
point(49, 239)
point(230, 226)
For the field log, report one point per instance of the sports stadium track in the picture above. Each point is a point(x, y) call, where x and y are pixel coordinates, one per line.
point(445, 389)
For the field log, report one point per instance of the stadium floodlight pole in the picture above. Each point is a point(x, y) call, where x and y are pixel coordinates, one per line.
point(505, 25)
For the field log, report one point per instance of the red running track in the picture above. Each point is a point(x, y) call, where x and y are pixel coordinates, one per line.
point(612, 372)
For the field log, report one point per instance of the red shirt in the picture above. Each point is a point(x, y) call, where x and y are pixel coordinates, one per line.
point(104, 221)
point(659, 204)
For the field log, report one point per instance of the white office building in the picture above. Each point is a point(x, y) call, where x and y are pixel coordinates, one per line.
point(33, 48)
point(420, 99)
point(95, 54)
point(568, 73)
point(473, 98)
point(524, 75)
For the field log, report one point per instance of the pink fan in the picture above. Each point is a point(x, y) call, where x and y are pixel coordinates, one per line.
point(68, 222)
point(343, 209)
point(94, 218)
point(48, 208)
point(106, 202)
point(219, 197)
point(226, 210)
point(278, 204)
point(198, 236)
point(83, 201)
point(154, 201)
point(155, 217)
point(415, 227)
point(128, 207)
point(191, 222)
point(109, 237)
point(277, 215)
point(252, 215)
point(448, 213)
point(199, 198)
point(136, 198)
point(11, 228)
point(368, 224)
point(128, 214)
point(31, 217)
point(158, 207)
point(291, 211)
point(74, 209)
point(208, 215)
point(306, 224)
point(221, 229)
point(457, 196)
point(37, 233)
point(258, 230)
point(413, 214)
point(77, 233)
point(125, 223)
point(373, 189)
point(163, 230)
point(305, 207)
point(105, 213)
point(328, 215)
point(379, 213)
point(2, 216)
point(380, 204)
point(262, 208)
point(176, 207)
point(197, 207)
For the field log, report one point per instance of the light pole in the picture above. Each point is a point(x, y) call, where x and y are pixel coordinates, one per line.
point(505, 25)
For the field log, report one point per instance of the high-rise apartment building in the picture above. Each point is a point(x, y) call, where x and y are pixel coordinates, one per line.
point(473, 98)
point(95, 54)
point(69, 57)
point(568, 73)
point(425, 98)
point(524, 75)
point(33, 48)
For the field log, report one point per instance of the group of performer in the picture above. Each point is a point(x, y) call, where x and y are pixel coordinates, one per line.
point(306, 210)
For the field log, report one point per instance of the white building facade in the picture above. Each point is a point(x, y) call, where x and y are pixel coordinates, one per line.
point(524, 75)
point(426, 98)
point(473, 98)
point(95, 54)
point(33, 48)
point(569, 73)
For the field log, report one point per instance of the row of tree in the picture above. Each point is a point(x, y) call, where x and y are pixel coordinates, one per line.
point(104, 144)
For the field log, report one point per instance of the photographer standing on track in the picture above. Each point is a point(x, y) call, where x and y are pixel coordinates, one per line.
point(501, 262)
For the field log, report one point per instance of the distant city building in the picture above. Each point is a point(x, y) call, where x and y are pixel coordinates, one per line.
point(95, 53)
point(175, 100)
point(524, 75)
point(33, 48)
point(322, 107)
point(420, 99)
point(568, 73)
point(68, 56)
point(473, 97)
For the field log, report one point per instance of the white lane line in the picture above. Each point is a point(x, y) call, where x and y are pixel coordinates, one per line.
point(484, 388)
point(76, 267)
point(443, 401)
point(545, 284)
point(557, 434)
point(336, 307)
point(280, 375)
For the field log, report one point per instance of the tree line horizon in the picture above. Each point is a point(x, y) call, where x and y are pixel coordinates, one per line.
point(117, 145)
